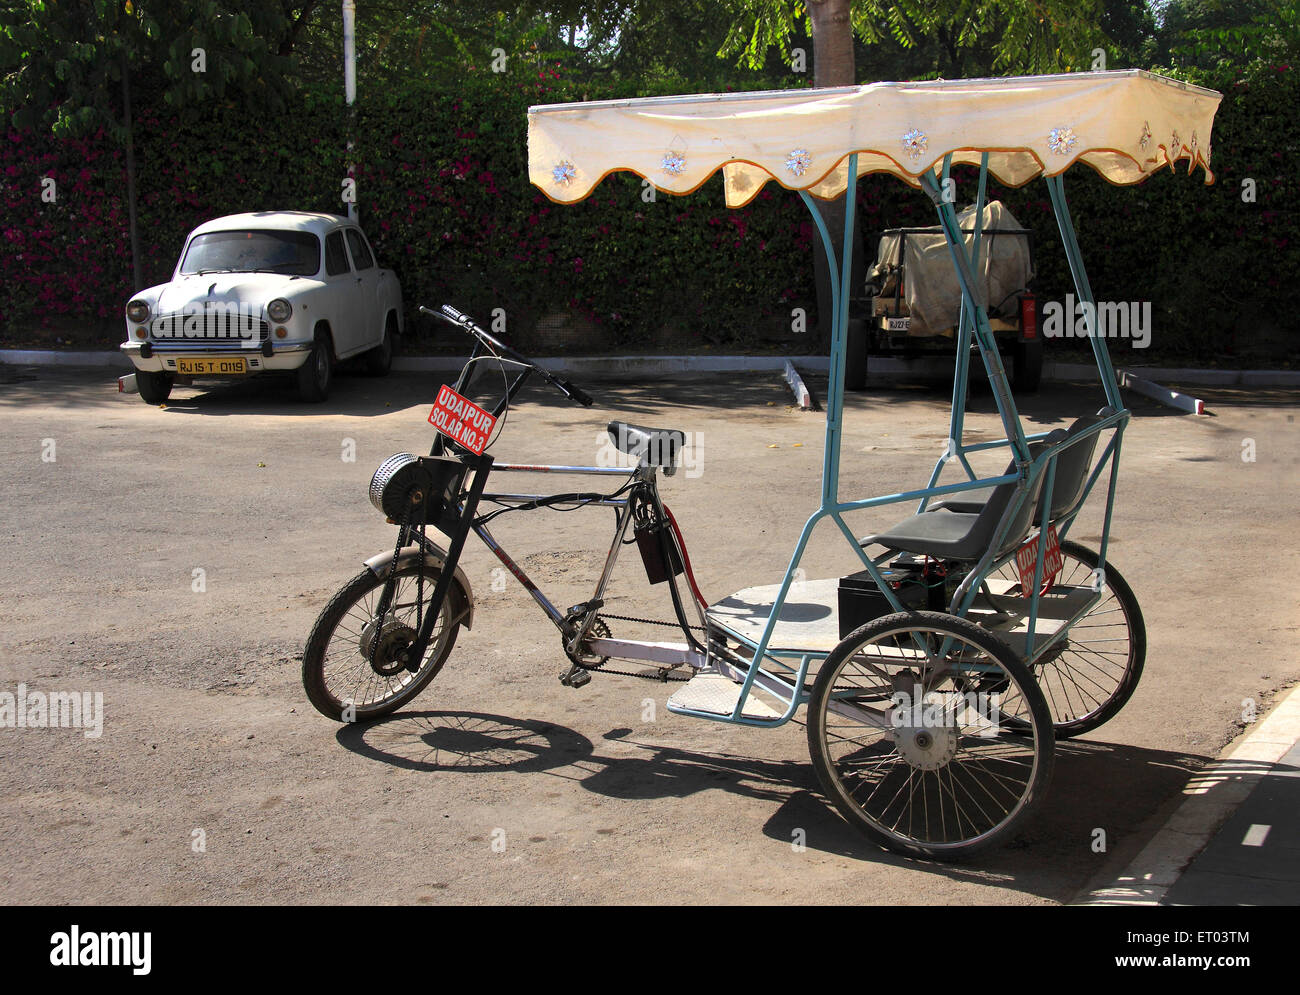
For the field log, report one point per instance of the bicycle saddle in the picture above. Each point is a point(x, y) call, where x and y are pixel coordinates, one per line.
point(651, 446)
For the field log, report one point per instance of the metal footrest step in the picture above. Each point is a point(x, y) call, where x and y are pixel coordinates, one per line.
point(717, 694)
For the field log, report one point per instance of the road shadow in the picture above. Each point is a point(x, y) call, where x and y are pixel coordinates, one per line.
point(468, 742)
point(1104, 799)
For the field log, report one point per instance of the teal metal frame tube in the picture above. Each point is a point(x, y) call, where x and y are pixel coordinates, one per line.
point(1073, 255)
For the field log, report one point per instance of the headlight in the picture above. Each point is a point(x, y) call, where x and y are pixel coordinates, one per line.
point(137, 311)
point(279, 309)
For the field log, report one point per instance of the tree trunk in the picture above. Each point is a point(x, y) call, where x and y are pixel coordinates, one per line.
point(833, 65)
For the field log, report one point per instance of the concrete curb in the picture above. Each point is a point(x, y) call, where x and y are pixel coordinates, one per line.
point(650, 366)
point(1211, 798)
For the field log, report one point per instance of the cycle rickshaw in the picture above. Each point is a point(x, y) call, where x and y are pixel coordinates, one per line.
point(939, 675)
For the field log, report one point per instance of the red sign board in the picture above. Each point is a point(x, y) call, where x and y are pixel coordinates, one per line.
point(1027, 559)
point(461, 420)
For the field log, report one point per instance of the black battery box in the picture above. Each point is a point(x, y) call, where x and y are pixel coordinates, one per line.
point(861, 601)
point(648, 541)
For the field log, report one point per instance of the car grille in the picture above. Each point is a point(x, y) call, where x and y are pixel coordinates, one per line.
point(216, 324)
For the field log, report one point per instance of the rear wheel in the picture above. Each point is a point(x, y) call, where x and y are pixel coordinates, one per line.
point(352, 668)
point(155, 388)
point(379, 360)
point(911, 752)
point(1089, 676)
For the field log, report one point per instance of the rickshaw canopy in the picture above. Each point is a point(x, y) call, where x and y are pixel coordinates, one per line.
point(1125, 124)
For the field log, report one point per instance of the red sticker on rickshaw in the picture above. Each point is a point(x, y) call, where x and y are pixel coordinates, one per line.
point(461, 420)
point(1027, 559)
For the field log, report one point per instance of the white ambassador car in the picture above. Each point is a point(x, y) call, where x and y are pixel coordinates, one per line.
point(273, 292)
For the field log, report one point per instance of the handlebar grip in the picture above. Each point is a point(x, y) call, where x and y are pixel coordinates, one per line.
point(576, 393)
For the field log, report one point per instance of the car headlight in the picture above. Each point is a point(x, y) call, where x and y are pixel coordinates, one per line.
point(137, 311)
point(279, 309)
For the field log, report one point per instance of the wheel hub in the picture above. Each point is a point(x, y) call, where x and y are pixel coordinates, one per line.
point(394, 639)
point(925, 747)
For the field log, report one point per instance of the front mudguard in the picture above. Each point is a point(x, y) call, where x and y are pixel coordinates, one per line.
point(460, 592)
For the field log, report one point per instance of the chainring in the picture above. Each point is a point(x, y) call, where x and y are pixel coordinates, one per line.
point(589, 661)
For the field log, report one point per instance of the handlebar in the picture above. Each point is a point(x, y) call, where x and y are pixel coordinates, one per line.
point(464, 322)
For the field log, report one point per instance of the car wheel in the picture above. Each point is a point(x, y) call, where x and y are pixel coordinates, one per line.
point(155, 388)
point(379, 360)
point(315, 375)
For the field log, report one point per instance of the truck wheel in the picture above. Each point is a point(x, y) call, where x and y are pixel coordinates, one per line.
point(155, 388)
point(1027, 369)
point(315, 375)
point(855, 360)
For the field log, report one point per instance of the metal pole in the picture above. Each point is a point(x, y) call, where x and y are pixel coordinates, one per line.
point(350, 86)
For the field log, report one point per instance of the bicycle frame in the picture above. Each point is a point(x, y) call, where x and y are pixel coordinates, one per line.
point(576, 624)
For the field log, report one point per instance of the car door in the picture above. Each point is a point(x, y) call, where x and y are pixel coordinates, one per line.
point(344, 309)
point(371, 326)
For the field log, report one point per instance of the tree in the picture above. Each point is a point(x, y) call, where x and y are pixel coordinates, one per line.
point(1020, 36)
point(1202, 33)
point(68, 65)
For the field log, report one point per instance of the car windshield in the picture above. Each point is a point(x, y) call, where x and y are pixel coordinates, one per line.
point(247, 251)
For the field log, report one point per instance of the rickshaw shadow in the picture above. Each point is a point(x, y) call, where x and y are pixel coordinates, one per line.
point(1104, 803)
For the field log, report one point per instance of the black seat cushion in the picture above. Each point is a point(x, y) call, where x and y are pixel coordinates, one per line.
point(965, 535)
point(651, 446)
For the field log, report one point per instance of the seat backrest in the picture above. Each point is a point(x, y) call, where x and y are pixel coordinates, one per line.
point(986, 524)
point(1072, 467)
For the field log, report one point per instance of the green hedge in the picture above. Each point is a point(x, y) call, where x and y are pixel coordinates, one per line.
point(443, 193)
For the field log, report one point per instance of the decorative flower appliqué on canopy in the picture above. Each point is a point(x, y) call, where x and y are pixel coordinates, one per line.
point(674, 163)
point(1145, 140)
point(915, 143)
point(563, 173)
point(1062, 140)
point(798, 161)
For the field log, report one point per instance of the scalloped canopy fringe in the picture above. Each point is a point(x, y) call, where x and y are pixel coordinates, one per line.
point(1126, 125)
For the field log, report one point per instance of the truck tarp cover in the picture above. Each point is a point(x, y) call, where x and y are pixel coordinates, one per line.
point(930, 288)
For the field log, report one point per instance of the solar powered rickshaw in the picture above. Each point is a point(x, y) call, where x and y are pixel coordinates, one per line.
point(976, 632)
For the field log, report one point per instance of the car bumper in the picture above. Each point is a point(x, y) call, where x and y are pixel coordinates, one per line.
point(271, 357)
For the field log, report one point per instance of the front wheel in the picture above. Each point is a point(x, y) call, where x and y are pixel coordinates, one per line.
point(154, 388)
point(315, 375)
point(353, 667)
point(1027, 366)
point(912, 752)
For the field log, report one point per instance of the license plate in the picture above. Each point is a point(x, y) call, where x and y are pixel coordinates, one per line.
point(207, 366)
point(898, 324)
point(1027, 559)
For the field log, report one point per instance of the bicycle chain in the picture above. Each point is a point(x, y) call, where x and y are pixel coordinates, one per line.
point(663, 677)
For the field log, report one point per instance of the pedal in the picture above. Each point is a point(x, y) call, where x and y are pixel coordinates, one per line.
point(575, 677)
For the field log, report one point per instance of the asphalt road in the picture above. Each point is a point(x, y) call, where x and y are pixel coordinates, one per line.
point(214, 780)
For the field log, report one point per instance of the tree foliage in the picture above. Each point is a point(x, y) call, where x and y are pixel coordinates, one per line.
point(62, 61)
point(1000, 36)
